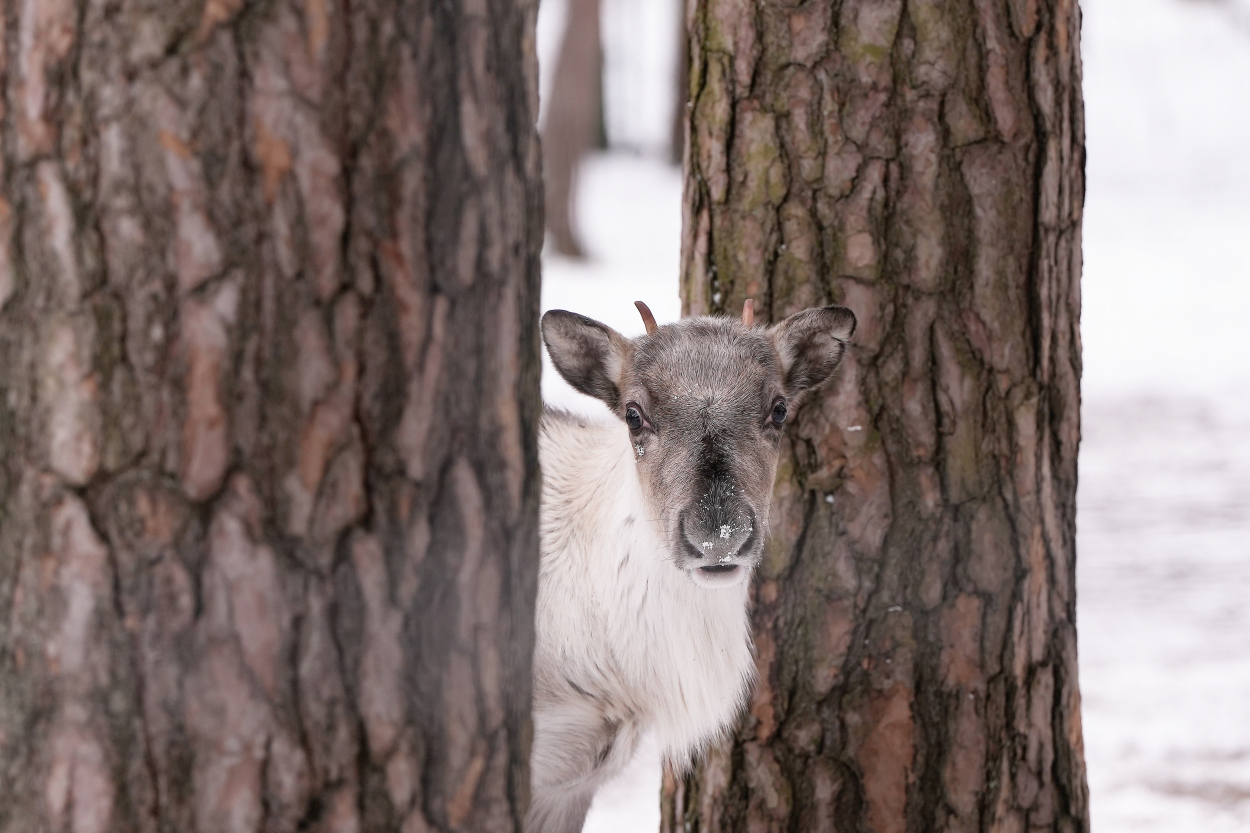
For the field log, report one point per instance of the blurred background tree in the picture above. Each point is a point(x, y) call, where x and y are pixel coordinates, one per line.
point(268, 404)
point(574, 120)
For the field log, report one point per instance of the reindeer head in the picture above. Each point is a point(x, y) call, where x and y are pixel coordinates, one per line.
point(703, 401)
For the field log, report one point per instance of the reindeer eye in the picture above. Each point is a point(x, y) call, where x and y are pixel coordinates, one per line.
point(779, 411)
point(633, 417)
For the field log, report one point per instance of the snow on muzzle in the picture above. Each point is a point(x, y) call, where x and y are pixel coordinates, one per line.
point(718, 546)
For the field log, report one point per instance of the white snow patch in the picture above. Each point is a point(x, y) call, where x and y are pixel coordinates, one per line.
point(1166, 289)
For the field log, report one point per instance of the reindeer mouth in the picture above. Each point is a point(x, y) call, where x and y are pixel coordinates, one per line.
point(718, 576)
point(719, 569)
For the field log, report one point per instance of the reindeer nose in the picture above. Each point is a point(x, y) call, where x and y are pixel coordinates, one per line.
point(717, 536)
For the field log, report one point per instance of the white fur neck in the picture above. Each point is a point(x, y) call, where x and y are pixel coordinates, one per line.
point(619, 624)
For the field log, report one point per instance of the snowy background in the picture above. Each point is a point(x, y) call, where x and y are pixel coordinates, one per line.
point(1164, 500)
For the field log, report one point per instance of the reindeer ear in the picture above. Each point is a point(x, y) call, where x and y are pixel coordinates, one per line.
point(811, 343)
point(589, 355)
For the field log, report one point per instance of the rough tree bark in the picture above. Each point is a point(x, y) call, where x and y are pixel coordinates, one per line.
point(921, 163)
point(268, 399)
point(574, 116)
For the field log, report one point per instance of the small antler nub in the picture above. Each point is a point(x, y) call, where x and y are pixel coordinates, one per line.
point(648, 320)
point(748, 312)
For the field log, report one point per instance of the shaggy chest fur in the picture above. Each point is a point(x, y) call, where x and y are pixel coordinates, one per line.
point(626, 642)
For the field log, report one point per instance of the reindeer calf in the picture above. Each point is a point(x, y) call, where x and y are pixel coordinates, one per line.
point(650, 531)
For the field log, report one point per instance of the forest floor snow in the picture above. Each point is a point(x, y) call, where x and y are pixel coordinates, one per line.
point(1163, 623)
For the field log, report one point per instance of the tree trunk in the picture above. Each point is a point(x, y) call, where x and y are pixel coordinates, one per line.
point(574, 118)
point(921, 163)
point(268, 400)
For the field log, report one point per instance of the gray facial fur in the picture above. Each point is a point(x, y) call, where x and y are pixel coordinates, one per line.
point(705, 393)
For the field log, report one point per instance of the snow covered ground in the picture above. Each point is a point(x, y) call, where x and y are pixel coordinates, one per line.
point(1163, 519)
point(1163, 579)
point(1164, 499)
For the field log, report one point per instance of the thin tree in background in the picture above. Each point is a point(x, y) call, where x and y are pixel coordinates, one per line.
point(268, 401)
point(921, 163)
point(574, 120)
point(681, 101)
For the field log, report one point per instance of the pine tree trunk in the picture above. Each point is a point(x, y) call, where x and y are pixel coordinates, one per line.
point(268, 399)
point(921, 163)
